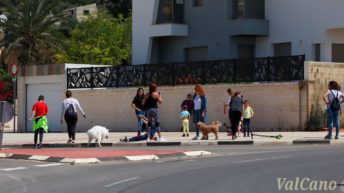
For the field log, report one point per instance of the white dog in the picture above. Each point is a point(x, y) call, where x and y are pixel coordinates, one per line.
point(98, 133)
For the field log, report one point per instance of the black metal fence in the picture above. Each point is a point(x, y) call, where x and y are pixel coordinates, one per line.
point(268, 69)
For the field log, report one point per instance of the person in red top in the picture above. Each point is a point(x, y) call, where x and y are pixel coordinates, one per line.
point(40, 124)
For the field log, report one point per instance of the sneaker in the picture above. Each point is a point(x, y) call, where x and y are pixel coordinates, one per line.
point(69, 141)
point(183, 135)
point(327, 137)
point(35, 146)
point(234, 137)
point(187, 135)
point(336, 137)
point(161, 139)
point(40, 146)
point(195, 138)
point(73, 141)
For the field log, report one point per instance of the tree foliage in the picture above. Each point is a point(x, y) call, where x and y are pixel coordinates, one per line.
point(99, 40)
point(31, 30)
point(119, 7)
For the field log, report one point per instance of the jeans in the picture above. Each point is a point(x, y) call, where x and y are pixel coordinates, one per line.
point(247, 129)
point(332, 117)
point(139, 122)
point(197, 118)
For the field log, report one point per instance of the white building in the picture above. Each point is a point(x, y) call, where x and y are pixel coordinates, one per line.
point(194, 30)
point(82, 12)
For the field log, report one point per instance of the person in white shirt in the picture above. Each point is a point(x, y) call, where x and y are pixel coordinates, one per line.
point(333, 98)
point(70, 114)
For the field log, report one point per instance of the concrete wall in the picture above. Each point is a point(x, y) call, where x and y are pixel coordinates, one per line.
point(276, 106)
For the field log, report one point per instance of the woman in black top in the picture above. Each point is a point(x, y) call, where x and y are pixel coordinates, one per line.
point(235, 112)
point(150, 104)
point(137, 105)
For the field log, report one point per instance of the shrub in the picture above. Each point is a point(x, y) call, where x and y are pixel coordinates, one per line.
point(317, 118)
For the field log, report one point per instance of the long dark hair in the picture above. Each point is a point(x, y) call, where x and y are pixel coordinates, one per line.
point(137, 92)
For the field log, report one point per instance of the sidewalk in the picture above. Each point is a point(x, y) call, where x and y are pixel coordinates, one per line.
point(60, 139)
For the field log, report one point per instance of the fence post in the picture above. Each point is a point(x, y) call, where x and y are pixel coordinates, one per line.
point(175, 73)
point(92, 78)
point(68, 79)
point(117, 75)
point(144, 75)
point(235, 70)
point(203, 73)
point(268, 69)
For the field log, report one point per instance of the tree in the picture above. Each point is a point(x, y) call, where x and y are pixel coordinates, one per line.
point(31, 30)
point(119, 7)
point(99, 40)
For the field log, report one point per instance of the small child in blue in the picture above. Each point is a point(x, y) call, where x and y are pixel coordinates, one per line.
point(185, 115)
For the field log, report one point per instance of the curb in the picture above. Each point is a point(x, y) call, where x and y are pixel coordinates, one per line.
point(74, 161)
point(311, 141)
point(185, 143)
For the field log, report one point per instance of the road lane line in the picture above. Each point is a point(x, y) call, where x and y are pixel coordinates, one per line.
point(13, 169)
point(263, 159)
point(120, 182)
point(49, 165)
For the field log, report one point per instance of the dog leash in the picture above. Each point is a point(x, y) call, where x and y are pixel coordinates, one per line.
point(92, 122)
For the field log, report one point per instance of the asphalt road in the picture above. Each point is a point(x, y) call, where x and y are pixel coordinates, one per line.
point(251, 169)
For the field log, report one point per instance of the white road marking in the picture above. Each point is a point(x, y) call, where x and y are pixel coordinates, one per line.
point(120, 182)
point(13, 169)
point(263, 159)
point(49, 165)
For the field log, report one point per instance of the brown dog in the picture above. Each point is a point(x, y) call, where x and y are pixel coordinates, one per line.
point(212, 128)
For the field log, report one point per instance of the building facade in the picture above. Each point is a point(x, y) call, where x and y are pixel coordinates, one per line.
point(166, 31)
point(82, 12)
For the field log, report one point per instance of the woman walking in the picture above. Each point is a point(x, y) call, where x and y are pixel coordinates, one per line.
point(40, 121)
point(69, 113)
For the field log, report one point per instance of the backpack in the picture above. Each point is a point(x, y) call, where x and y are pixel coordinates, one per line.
point(70, 111)
point(335, 105)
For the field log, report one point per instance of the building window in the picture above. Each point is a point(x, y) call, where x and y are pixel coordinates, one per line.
point(86, 12)
point(248, 9)
point(170, 11)
point(317, 52)
point(337, 52)
point(197, 3)
point(282, 49)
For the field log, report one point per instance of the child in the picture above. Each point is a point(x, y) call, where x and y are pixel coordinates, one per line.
point(247, 114)
point(185, 115)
